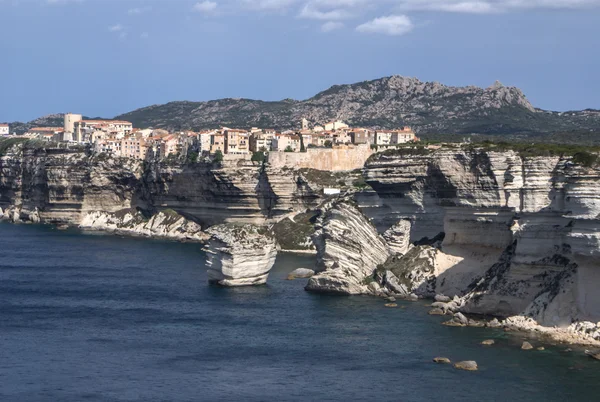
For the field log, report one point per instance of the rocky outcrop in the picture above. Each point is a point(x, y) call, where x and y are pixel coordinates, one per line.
point(519, 233)
point(348, 250)
point(240, 254)
point(165, 224)
point(66, 186)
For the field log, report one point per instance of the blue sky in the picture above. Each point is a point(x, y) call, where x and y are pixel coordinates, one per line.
point(105, 57)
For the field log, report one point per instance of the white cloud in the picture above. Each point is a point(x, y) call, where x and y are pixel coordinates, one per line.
point(115, 28)
point(205, 7)
point(390, 25)
point(331, 26)
point(312, 12)
point(491, 6)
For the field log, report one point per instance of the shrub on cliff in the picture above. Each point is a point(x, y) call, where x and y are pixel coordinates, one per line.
point(585, 159)
point(258, 157)
point(218, 158)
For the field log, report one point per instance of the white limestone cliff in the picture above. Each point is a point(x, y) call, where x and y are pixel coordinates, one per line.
point(348, 250)
point(165, 224)
point(240, 254)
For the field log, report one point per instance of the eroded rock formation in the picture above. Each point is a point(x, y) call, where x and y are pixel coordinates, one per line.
point(165, 224)
point(240, 254)
point(348, 250)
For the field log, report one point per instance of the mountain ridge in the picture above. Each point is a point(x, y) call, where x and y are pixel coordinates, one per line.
point(389, 102)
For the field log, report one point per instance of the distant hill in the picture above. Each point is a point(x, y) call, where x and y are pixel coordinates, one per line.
point(428, 107)
point(434, 110)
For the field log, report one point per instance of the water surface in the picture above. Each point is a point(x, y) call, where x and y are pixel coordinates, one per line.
point(105, 318)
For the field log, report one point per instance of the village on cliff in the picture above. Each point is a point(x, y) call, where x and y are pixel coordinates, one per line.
point(121, 139)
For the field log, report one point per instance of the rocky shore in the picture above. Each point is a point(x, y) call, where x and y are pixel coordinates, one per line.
point(165, 224)
point(501, 233)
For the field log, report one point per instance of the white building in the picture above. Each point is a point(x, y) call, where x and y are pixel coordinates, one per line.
point(69, 121)
point(282, 142)
point(204, 141)
point(4, 130)
point(84, 128)
point(383, 137)
point(335, 125)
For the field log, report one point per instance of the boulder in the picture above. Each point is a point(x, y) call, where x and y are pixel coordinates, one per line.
point(526, 346)
point(453, 323)
point(594, 354)
point(442, 298)
point(494, 323)
point(488, 342)
point(469, 365)
point(240, 254)
point(460, 317)
point(436, 311)
point(391, 305)
point(301, 273)
point(441, 360)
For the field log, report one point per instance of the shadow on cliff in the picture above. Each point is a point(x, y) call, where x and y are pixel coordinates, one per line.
point(202, 192)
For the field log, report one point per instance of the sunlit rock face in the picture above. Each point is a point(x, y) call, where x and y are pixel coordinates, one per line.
point(165, 224)
point(240, 254)
point(520, 233)
point(348, 250)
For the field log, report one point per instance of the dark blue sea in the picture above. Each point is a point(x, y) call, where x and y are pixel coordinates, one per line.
point(103, 318)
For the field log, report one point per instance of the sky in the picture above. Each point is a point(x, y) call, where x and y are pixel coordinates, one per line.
point(107, 57)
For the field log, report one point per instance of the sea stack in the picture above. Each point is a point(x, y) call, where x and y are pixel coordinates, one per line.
point(240, 254)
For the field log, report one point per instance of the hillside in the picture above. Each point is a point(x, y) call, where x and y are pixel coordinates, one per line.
point(429, 107)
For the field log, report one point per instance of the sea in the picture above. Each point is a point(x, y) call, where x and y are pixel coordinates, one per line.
point(96, 317)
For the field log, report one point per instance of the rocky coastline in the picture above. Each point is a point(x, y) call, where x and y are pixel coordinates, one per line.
point(498, 232)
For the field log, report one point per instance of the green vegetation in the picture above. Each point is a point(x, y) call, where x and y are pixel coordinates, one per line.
point(193, 157)
point(295, 235)
point(288, 149)
point(328, 144)
point(586, 159)
point(218, 158)
point(7, 143)
point(258, 157)
point(360, 183)
point(582, 155)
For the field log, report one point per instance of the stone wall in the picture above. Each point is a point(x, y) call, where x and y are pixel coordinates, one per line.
point(339, 158)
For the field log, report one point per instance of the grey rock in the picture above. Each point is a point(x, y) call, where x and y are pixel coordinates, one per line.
point(469, 365)
point(442, 298)
point(526, 346)
point(301, 273)
point(460, 317)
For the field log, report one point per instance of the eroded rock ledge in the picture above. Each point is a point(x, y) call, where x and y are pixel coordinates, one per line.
point(240, 254)
point(165, 224)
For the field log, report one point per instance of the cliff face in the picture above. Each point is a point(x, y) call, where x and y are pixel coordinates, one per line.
point(507, 233)
point(65, 187)
point(521, 234)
